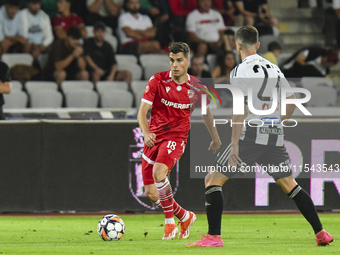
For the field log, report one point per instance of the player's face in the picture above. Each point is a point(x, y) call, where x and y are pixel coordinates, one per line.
point(179, 64)
point(133, 6)
point(62, 5)
point(204, 5)
point(99, 35)
point(197, 65)
point(11, 10)
point(34, 7)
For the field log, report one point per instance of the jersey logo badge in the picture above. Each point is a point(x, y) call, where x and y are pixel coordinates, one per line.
point(147, 89)
point(167, 89)
point(169, 151)
point(179, 88)
point(191, 93)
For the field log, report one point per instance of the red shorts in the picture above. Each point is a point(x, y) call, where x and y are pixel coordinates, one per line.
point(166, 152)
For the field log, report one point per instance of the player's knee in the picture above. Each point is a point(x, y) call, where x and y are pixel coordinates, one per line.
point(84, 75)
point(151, 196)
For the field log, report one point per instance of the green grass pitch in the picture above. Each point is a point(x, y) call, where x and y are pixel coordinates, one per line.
point(242, 234)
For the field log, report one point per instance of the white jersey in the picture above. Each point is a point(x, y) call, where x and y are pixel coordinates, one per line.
point(264, 78)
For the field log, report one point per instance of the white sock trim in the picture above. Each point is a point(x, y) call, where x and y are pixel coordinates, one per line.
point(170, 221)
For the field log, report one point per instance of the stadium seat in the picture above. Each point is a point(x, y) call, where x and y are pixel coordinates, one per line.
point(46, 98)
point(212, 61)
point(153, 59)
point(135, 69)
point(102, 86)
point(308, 82)
point(16, 85)
point(12, 59)
point(265, 40)
point(43, 59)
point(150, 70)
point(112, 40)
point(116, 99)
point(70, 85)
point(81, 98)
point(125, 59)
point(138, 85)
point(15, 99)
point(32, 86)
point(138, 97)
point(322, 91)
point(283, 57)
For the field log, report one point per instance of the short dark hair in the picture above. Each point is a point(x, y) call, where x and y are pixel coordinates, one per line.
point(274, 46)
point(74, 33)
point(247, 35)
point(99, 25)
point(180, 47)
point(34, 1)
point(14, 2)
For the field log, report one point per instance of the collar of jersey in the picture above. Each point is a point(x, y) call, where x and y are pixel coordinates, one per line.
point(251, 56)
point(188, 80)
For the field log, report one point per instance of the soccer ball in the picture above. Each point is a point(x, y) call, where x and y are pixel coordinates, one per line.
point(111, 228)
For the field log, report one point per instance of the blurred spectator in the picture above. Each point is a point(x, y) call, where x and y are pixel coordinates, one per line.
point(104, 10)
point(65, 19)
point(154, 10)
point(227, 9)
point(256, 13)
point(205, 27)
point(12, 32)
point(135, 30)
point(5, 85)
point(197, 67)
point(226, 63)
point(50, 7)
point(310, 61)
point(38, 28)
point(100, 58)
point(66, 61)
point(274, 50)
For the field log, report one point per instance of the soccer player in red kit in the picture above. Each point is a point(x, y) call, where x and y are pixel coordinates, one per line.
point(173, 95)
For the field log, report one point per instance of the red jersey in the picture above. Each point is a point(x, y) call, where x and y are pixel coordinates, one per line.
point(66, 22)
point(172, 104)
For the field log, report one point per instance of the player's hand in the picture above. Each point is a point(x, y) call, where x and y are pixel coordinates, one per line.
point(150, 139)
point(99, 72)
point(234, 159)
point(78, 51)
point(215, 145)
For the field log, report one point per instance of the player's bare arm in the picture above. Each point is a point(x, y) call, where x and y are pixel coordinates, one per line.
point(289, 109)
point(235, 138)
point(149, 138)
point(209, 123)
point(5, 87)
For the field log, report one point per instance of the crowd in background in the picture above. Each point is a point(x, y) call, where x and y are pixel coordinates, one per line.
point(58, 28)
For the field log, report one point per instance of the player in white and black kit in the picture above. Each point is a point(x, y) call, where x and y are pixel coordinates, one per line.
point(262, 144)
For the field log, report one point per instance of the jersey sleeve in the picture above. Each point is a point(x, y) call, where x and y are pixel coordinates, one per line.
point(79, 20)
point(220, 24)
point(150, 91)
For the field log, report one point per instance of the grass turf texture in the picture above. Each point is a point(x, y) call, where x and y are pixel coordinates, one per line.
point(242, 234)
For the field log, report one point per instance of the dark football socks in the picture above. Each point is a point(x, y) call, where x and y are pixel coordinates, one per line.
point(306, 206)
point(214, 208)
